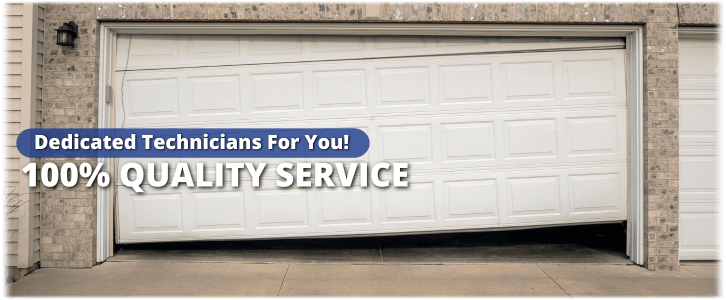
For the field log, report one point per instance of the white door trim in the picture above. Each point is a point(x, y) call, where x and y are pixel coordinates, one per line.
point(634, 74)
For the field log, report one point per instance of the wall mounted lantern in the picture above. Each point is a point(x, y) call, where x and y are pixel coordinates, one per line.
point(66, 34)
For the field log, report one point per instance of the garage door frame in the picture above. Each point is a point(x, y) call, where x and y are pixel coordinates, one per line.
point(634, 82)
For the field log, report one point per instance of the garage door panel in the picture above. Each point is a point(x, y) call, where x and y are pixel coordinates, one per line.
point(412, 204)
point(593, 136)
point(530, 139)
point(498, 140)
point(502, 141)
point(276, 92)
point(533, 196)
point(538, 196)
point(219, 210)
point(465, 84)
point(213, 46)
point(214, 95)
point(410, 143)
point(468, 141)
point(342, 206)
point(338, 43)
point(266, 45)
point(698, 240)
point(470, 199)
point(286, 208)
point(528, 81)
point(157, 213)
point(446, 201)
point(593, 193)
point(153, 98)
point(402, 86)
point(355, 89)
point(173, 51)
point(589, 78)
point(698, 150)
point(343, 89)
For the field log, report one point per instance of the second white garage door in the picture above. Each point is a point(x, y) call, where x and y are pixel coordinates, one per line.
point(498, 132)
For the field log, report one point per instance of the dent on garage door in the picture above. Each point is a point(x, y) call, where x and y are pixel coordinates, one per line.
point(494, 138)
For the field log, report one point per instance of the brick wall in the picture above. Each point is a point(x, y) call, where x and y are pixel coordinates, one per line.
point(71, 97)
point(68, 215)
point(661, 135)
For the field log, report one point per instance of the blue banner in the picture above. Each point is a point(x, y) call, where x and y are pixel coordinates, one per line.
point(197, 142)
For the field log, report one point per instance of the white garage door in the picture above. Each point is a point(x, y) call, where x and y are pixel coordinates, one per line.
point(499, 132)
point(698, 148)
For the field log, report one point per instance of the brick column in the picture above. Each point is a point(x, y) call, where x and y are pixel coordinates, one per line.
point(70, 100)
point(661, 136)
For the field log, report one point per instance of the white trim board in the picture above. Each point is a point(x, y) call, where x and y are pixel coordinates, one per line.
point(634, 74)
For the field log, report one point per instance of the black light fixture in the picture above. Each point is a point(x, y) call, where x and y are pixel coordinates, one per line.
point(67, 33)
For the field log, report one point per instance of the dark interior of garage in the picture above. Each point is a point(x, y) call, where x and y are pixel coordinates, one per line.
point(598, 243)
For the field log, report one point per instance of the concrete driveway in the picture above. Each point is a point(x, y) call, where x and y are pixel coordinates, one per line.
point(371, 279)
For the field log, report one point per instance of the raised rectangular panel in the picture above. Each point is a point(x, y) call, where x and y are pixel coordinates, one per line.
point(696, 150)
point(215, 95)
point(533, 196)
point(698, 230)
point(343, 206)
point(589, 79)
point(338, 43)
point(459, 41)
point(391, 42)
point(403, 86)
point(284, 208)
point(698, 116)
point(204, 46)
point(153, 47)
point(339, 89)
point(528, 81)
point(219, 210)
point(698, 86)
point(157, 212)
point(275, 44)
point(406, 143)
point(412, 204)
point(530, 139)
point(692, 207)
point(153, 98)
point(277, 92)
point(592, 136)
point(466, 84)
point(594, 193)
point(696, 94)
point(470, 199)
point(698, 172)
point(468, 141)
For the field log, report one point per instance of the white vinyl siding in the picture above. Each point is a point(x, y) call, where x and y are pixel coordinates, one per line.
point(23, 77)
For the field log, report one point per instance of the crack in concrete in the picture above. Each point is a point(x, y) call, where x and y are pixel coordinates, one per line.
point(548, 275)
point(283, 280)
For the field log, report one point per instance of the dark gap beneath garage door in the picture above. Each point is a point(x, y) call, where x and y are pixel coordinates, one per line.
point(602, 243)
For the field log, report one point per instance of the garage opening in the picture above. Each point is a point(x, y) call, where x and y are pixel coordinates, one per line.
point(499, 132)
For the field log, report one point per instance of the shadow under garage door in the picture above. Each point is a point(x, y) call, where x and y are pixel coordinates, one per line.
point(602, 243)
